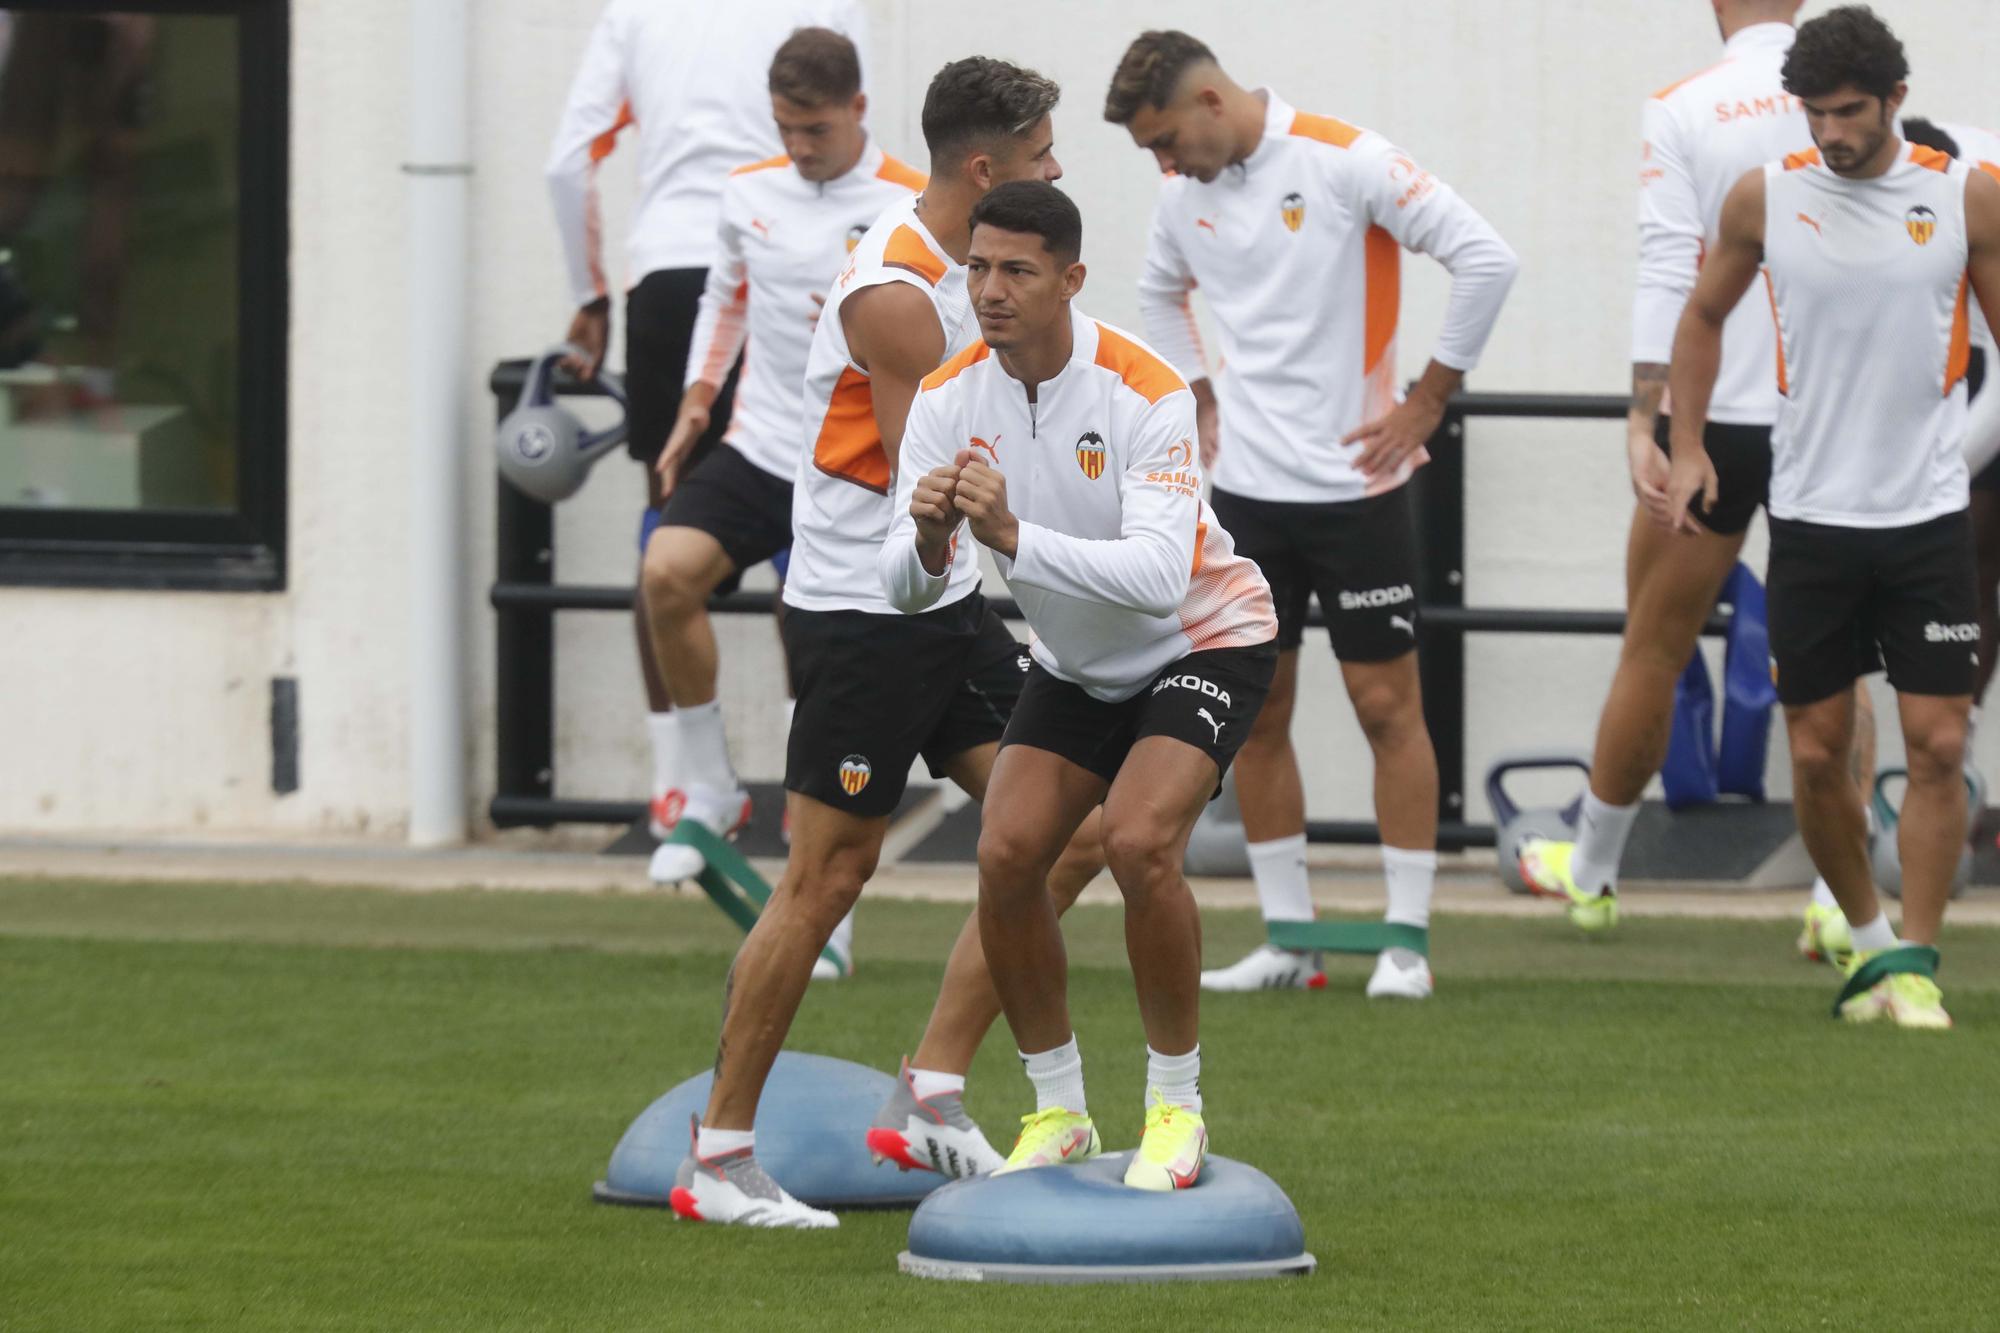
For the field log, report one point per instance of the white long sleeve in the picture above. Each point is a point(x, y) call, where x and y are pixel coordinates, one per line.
point(1428, 216)
point(1671, 230)
point(1164, 285)
point(928, 444)
point(596, 110)
point(720, 323)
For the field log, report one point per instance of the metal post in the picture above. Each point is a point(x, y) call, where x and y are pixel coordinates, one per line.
point(1441, 574)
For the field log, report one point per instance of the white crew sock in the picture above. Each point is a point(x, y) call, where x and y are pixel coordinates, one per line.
point(1411, 875)
point(1601, 832)
point(1279, 867)
point(1875, 935)
point(929, 1083)
point(665, 733)
point(1178, 1077)
point(842, 941)
point(715, 1142)
point(1058, 1077)
point(704, 747)
point(1822, 894)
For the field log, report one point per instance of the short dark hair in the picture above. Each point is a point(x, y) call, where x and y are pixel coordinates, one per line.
point(1848, 47)
point(1930, 134)
point(1150, 72)
point(815, 67)
point(979, 99)
point(1034, 208)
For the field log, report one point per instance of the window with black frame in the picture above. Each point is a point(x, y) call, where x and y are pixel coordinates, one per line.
point(142, 293)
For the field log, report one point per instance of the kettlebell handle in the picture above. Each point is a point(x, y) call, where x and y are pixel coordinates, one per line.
point(599, 441)
point(1504, 806)
point(1888, 813)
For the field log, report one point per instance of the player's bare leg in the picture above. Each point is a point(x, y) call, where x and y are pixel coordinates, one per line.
point(1388, 703)
point(1271, 796)
point(1831, 819)
point(924, 1125)
point(1932, 827)
point(1985, 513)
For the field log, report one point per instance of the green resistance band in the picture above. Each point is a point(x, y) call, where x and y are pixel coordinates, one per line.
point(1350, 936)
point(1920, 959)
point(730, 880)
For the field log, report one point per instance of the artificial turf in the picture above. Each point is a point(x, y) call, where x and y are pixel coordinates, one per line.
point(285, 1107)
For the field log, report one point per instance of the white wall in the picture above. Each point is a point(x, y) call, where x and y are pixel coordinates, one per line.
point(148, 711)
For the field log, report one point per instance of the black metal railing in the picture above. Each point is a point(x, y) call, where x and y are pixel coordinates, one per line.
point(526, 597)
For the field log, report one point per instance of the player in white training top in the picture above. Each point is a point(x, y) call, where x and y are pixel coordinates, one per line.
point(1870, 248)
point(1698, 136)
point(877, 688)
point(690, 76)
point(788, 225)
point(1293, 227)
point(1067, 448)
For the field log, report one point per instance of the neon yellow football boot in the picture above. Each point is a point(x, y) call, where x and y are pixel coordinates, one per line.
point(1053, 1137)
point(1171, 1150)
point(1907, 999)
point(1826, 936)
point(1545, 868)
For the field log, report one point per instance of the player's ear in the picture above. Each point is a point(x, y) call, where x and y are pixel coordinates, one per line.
point(979, 170)
point(1894, 101)
point(1072, 280)
point(861, 106)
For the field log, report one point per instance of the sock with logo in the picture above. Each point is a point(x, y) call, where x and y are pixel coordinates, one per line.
point(1178, 1077)
point(1411, 876)
point(713, 1143)
point(665, 734)
point(1058, 1077)
point(1279, 867)
point(704, 746)
point(1601, 832)
point(929, 1083)
point(1875, 935)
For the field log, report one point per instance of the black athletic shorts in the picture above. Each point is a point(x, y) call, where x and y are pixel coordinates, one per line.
point(659, 329)
point(1845, 600)
point(1207, 699)
point(1988, 477)
point(1360, 556)
point(1742, 458)
point(742, 506)
point(876, 691)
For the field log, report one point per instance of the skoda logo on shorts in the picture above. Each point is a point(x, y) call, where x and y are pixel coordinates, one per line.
point(854, 774)
point(535, 442)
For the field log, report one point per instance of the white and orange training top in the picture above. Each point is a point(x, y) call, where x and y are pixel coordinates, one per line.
point(693, 76)
point(1868, 281)
point(781, 242)
point(1119, 569)
point(1980, 150)
point(1298, 252)
point(841, 492)
point(1701, 135)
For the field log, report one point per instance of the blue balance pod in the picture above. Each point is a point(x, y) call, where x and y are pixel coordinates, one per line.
point(1082, 1224)
point(812, 1131)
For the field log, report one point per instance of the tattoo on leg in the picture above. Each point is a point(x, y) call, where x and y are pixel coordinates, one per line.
point(722, 1037)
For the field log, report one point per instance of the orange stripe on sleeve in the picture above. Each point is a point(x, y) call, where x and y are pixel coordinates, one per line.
point(849, 445)
point(901, 173)
point(1678, 84)
point(1991, 168)
point(1385, 296)
point(601, 146)
point(1930, 157)
point(1144, 373)
point(1325, 129)
point(1778, 327)
point(766, 165)
point(1809, 158)
point(950, 370)
point(1960, 357)
point(906, 250)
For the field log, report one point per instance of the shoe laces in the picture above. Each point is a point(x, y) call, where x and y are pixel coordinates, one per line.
point(1041, 1126)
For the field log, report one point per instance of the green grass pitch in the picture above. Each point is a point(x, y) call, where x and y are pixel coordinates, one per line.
point(292, 1108)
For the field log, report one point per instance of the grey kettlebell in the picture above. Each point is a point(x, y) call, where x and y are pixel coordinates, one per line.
point(1515, 823)
point(1885, 857)
point(542, 449)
